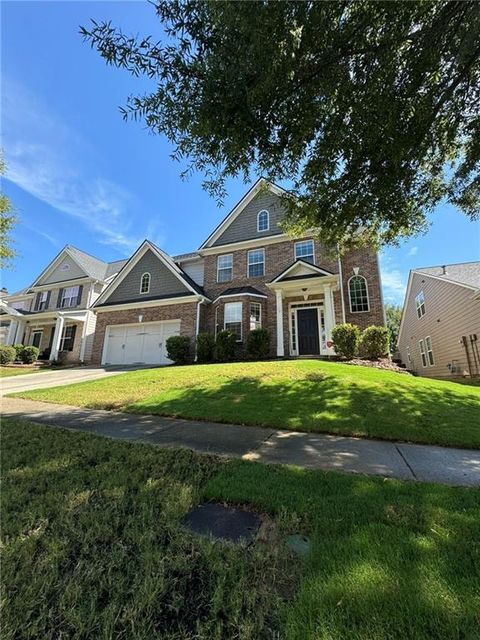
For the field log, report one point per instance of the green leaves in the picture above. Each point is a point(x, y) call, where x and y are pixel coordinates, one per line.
point(369, 109)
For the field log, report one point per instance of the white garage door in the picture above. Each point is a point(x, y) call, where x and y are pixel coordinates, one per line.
point(139, 343)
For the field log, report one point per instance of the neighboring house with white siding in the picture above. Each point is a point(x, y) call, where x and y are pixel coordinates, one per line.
point(439, 334)
point(54, 313)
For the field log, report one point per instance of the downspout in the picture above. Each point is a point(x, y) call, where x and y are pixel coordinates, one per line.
point(197, 328)
point(340, 273)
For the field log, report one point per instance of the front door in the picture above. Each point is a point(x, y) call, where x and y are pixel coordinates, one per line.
point(307, 326)
point(36, 338)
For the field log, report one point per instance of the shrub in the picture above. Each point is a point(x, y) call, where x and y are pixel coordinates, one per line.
point(29, 354)
point(345, 339)
point(258, 343)
point(375, 342)
point(7, 354)
point(225, 346)
point(178, 349)
point(18, 349)
point(205, 347)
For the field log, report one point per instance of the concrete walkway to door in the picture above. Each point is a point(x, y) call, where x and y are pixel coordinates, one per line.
point(422, 463)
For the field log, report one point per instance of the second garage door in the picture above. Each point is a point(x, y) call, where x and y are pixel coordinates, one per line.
point(139, 343)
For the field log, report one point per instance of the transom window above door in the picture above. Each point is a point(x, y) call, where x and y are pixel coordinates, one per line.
point(263, 220)
point(304, 250)
point(256, 263)
point(225, 268)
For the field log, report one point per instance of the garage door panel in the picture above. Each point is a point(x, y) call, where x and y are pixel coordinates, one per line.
point(140, 343)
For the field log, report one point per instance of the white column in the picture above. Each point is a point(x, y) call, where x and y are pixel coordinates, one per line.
point(57, 337)
point(280, 349)
point(329, 314)
point(20, 331)
point(12, 332)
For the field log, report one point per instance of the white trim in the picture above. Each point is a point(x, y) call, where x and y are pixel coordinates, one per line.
point(234, 213)
point(63, 284)
point(423, 353)
point(295, 306)
point(419, 301)
point(53, 264)
point(137, 256)
point(258, 220)
point(149, 303)
point(245, 244)
point(309, 265)
point(236, 295)
point(262, 249)
point(224, 255)
point(427, 340)
point(279, 316)
point(358, 275)
point(301, 257)
point(147, 273)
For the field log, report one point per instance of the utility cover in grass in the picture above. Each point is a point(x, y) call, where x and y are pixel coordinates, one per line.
point(222, 522)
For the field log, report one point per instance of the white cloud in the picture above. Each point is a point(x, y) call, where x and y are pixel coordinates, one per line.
point(51, 162)
point(412, 251)
point(393, 281)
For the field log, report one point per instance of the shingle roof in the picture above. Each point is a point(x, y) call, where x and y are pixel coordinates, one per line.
point(463, 273)
point(115, 267)
point(94, 267)
point(185, 256)
point(235, 291)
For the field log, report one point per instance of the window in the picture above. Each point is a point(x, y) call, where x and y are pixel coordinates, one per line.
point(70, 297)
point(422, 352)
point(225, 268)
point(304, 251)
point(420, 304)
point(428, 342)
point(145, 283)
point(42, 300)
point(233, 319)
point(68, 338)
point(263, 220)
point(358, 292)
point(256, 263)
point(255, 316)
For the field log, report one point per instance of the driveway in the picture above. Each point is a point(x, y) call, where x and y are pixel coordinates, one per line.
point(59, 377)
point(422, 463)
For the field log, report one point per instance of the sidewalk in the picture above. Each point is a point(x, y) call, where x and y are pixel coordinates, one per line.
point(424, 463)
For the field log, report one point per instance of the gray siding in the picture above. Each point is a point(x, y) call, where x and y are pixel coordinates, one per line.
point(162, 281)
point(61, 273)
point(244, 227)
point(450, 313)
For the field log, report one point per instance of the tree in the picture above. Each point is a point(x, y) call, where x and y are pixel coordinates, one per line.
point(370, 108)
point(7, 222)
point(394, 317)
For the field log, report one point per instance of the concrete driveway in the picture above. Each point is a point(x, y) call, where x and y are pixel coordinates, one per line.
point(59, 377)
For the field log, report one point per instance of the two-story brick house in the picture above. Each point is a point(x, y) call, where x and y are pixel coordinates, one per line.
point(247, 274)
point(55, 312)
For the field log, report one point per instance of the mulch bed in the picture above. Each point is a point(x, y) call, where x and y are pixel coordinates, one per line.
point(382, 363)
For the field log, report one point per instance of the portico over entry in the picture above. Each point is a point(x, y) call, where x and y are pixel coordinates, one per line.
point(305, 309)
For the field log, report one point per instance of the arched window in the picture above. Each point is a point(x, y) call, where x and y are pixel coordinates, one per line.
point(145, 283)
point(358, 292)
point(263, 220)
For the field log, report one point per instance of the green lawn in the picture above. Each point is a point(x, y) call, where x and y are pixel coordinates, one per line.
point(306, 395)
point(93, 547)
point(7, 372)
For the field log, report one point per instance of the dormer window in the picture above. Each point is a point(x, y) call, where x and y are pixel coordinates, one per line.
point(263, 220)
point(145, 283)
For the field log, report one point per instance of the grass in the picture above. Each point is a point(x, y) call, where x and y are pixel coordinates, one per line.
point(93, 547)
point(7, 372)
point(306, 395)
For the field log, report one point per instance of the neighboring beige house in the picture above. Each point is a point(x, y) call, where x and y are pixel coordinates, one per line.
point(54, 313)
point(439, 334)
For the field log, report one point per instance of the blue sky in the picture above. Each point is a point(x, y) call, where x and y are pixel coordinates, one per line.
point(78, 174)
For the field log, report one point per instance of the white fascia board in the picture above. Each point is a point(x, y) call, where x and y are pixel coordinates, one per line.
point(63, 284)
point(245, 244)
point(64, 252)
point(313, 268)
point(236, 295)
point(149, 303)
point(234, 213)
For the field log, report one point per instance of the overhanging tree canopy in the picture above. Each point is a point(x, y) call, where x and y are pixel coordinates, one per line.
point(370, 109)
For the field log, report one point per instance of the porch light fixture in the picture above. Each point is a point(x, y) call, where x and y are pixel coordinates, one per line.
point(140, 318)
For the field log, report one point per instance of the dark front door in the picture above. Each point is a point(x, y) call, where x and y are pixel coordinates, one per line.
point(308, 342)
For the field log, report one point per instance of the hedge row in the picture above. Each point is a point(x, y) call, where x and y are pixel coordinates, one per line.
point(349, 342)
point(18, 352)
